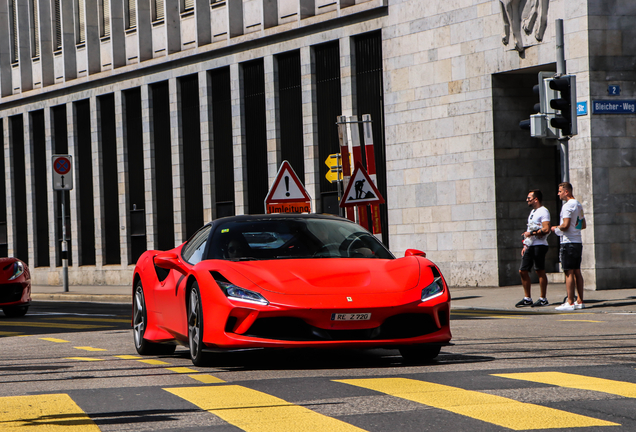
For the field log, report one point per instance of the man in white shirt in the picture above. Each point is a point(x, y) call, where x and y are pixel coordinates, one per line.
point(535, 247)
point(572, 222)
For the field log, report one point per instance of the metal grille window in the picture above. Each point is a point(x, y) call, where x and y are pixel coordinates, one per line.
point(105, 18)
point(57, 37)
point(80, 22)
point(35, 36)
point(14, 31)
point(188, 5)
point(158, 10)
point(131, 15)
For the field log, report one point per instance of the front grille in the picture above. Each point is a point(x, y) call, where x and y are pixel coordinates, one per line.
point(401, 326)
point(10, 292)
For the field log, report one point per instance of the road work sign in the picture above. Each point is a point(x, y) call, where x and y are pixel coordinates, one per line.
point(361, 190)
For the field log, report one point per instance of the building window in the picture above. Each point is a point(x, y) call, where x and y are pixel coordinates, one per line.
point(14, 31)
point(80, 22)
point(158, 10)
point(187, 5)
point(35, 35)
point(104, 28)
point(57, 37)
point(131, 14)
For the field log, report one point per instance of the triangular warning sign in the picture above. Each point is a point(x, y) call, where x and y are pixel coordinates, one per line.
point(361, 190)
point(286, 189)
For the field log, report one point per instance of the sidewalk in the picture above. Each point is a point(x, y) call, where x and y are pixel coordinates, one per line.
point(490, 298)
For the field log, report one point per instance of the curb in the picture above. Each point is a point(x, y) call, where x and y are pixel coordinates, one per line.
point(97, 298)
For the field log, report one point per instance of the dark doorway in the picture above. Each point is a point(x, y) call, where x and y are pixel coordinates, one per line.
point(290, 119)
point(222, 141)
point(164, 208)
point(255, 135)
point(40, 195)
point(84, 175)
point(21, 239)
point(191, 147)
point(60, 146)
point(522, 163)
point(370, 100)
point(110, 185)
point(136, 198)
point(328, 108)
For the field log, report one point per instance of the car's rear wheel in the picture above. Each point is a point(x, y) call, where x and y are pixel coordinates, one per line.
point(420, 353)
point(195, 328)
point(140, 323)
point(15, 311)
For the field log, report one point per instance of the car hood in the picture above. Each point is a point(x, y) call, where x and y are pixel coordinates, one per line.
point(332, 275)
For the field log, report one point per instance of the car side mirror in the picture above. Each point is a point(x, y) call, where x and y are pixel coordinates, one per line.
point(414, 252)
point(170, 261)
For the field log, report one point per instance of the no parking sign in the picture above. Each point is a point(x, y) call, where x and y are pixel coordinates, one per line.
point(62, 172)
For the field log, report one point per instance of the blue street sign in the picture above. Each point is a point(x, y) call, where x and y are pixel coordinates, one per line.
point(614, 90)
point(614, 107)
point(581, 108)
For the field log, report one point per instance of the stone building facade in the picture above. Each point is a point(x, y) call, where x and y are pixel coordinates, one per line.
point(180, 111)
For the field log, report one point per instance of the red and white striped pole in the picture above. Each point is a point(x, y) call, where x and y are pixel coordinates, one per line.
point(370, 155)
point(344, 157)
point(357, 157)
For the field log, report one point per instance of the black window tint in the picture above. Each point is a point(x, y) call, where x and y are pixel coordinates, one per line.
point(192, 251)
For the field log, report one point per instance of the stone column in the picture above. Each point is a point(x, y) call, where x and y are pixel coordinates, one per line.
point(68, 40)
point(72, 207)
point(28, 173)
point(204, 26)
point(173, 26)
point(271, 112)
point(24, 49)
point(50, 197)
point(46, 43)
point(122, 179)
point(93, 44)
point(149, 169)
point(144, 29)
point(10, 189)
point(98, 177)
point(177, 163)
point(6, 75)
point(310, 140)
point(207, 149)
point(238, 139)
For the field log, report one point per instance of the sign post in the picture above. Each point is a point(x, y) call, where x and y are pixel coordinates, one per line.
point(63, 181)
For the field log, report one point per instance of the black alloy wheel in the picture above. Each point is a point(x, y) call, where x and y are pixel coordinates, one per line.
point(140, 323)
point(195, 328)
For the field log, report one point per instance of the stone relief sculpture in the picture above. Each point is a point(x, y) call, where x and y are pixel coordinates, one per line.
point(523, 14)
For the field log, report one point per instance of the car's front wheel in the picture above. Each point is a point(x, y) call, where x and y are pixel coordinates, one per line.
point(195, 328)
point(420, 353)
point(15, 311)
point(140, 323)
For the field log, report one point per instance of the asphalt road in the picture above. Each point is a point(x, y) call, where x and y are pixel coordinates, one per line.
point(73, 366)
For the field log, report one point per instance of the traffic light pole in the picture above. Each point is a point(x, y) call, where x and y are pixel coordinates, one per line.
point(563, 141)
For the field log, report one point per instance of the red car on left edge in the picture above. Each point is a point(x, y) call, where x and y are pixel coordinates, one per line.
point(15, 287)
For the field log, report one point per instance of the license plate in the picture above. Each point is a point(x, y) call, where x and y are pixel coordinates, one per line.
point(350, 316)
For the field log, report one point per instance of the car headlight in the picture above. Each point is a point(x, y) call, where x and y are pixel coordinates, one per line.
point(18, 269)
point(435, 289)
point(237, 293)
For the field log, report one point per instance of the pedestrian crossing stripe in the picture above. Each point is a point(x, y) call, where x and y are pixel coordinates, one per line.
point(575, 320)
point(207, 379)
point(254, 411)
point(54, 340)
point(51, 412)
point(84, 358)
point(90, 349)
point(154, 362)
point(580, 382)
point(128, 357)
point(489, 408)
point(182, 370)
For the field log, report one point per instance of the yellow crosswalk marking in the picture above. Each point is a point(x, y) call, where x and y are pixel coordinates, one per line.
point(489, 408)
point(154, 362)
point(55, 340)
point(87, 319)
point(84, 358)
point(575, 320)
point(254, 411)
point(90, 349)
point(207, 379)
point(51, 412)
point(51, 325)
point(182, 370)
point(620, 388)
point(128, 357)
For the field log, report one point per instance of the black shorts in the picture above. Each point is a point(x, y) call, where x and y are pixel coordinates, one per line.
point(570, 256)
point(536, 255)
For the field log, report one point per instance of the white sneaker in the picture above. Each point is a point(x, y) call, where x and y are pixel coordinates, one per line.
point(579, 305)
point(566, 307)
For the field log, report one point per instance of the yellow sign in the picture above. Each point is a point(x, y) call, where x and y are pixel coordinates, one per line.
point(334, 163)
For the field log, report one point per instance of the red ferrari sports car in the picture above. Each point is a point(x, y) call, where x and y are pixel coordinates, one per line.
point(15, 287)
point(287, 281)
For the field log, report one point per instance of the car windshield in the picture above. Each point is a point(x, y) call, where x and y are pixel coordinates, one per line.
point(267, 239)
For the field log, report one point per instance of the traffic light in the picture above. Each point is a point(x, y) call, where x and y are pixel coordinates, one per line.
point(565, 104)
point(539, 124)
